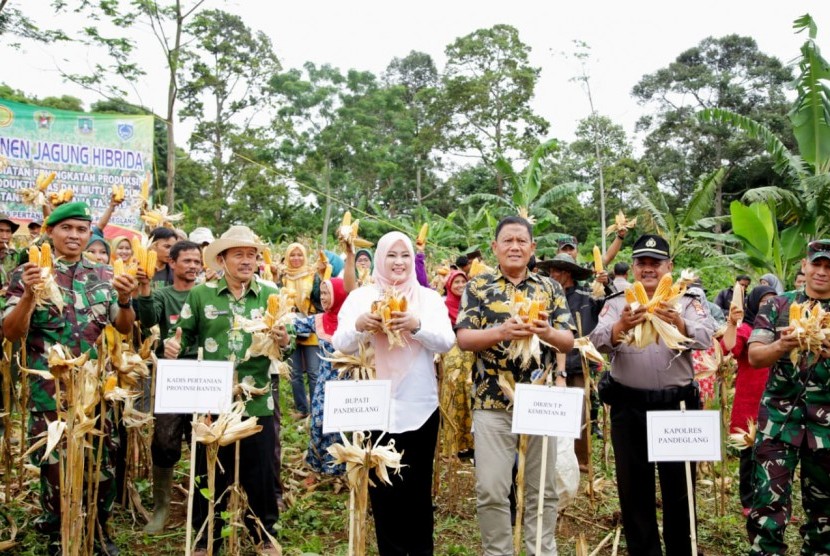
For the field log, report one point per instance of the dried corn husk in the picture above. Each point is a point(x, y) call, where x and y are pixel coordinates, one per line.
point(810, 325)
point(47, 291)
point(743, 439)
point(524, 212)
point(360, 366)
point(36, 196)
point(738, 297)
point(655, 328)
point(507, 385)
point(620, 223)
point(587, 350)
point(227, 428)
point(61, 197)
point(246, 389)
point(477, 267)
point(118, 193)
point(364, 276)
point(526, 350)
point(421, 240)
point(347, 234)
point(4, 163)
point(262, 341)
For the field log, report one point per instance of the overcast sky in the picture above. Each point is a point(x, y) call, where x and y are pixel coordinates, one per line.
point(628, 39)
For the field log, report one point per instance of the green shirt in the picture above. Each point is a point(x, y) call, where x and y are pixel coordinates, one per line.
point(91, 302)
point(163, 307)
point(206, 320)
point(484, 304)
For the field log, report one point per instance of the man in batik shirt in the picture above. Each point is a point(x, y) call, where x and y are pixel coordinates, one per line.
point(794, 418)
point(485, 326)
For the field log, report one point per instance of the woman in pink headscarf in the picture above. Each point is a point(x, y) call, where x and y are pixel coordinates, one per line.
point(426, 330)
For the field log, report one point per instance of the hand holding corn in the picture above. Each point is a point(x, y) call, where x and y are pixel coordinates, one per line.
point(31, 276)
point(124, 285)
point(736, 315)
point(369, 322)
point(279, 334)
point(512, 329)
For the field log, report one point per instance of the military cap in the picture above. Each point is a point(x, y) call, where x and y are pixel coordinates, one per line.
point(651, 245)
point(77, 210)
point(818, 249)
point(567, 240)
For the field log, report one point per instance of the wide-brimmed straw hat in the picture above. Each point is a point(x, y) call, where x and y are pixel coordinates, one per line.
point(565, 262)
point(236, 236)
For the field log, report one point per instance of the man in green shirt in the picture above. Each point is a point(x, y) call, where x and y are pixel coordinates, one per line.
point(207, 321)
point(162, 307)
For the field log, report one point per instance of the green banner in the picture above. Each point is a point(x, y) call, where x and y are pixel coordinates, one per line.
point(89, 153)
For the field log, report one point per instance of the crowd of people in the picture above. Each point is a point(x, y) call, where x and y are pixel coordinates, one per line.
point(456, 328)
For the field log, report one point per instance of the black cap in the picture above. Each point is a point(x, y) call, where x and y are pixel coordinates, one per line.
point(818, 249)
point(651, 245)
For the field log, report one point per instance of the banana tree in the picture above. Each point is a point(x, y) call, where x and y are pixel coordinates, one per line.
point(764, 246)
point(527, 199)
point(806, 203)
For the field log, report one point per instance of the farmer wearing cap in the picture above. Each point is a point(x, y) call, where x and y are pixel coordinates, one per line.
point(645, 379)
point(206, 321)
point(794, 418)
point(585, 312)
point(9, 258)
point(93, 299)
point(484, 326)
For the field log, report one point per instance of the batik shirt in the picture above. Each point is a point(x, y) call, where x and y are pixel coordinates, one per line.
point(796, 402)
point(91, 303)
point(485, 304)
point(207, 319)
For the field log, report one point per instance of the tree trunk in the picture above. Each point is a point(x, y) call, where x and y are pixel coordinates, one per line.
point(172, 94)
point(418, 183)
point(327, 213)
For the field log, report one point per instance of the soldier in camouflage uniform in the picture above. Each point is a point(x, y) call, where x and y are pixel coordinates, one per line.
point(793, 421)
point(93, 299)
point(9, 257)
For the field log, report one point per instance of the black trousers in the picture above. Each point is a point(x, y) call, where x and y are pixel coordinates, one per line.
point(256, 476)
point(169, 430)
point(637, 491)
point(746, 474)
point(403, 512)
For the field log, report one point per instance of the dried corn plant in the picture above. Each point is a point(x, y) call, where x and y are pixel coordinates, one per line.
point(229, 427)
point(477, 267)
point(742, 439)
point(36, 196)
point(654, 328)
point(263, 342)
point(391, 301)
point(347, 234)
point(153, 218)
point(811, 326)
point(523, 309)
point(57, 199)
point(47, 291)
point(359, 366)
point(6, 453)
point(361, 457)
point(620, 223)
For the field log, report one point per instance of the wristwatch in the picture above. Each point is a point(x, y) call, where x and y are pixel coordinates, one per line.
point(127, 305)
point(562, 374)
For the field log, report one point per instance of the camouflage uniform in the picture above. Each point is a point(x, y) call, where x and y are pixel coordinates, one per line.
point(8, 262)
point(793, 425)
point(91, 303)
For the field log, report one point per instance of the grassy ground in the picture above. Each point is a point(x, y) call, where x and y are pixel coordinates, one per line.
point(317, 518)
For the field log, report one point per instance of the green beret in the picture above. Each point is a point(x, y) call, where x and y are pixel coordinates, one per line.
point(77, 210)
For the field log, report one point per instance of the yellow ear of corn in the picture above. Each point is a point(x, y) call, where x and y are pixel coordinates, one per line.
point(34, 255)
point(43, 182)
point(347, 219)
point(533, 312)
point(110, 384)
point(145, 188)
point(273, 304)
point(814, 312)
point(795, 311)
point(327, 273)
point(640, 293)
point(118, 267)
point(266, 257)
point(663, 287)
point(597, 259)
point(387, 314)
point(422, 234)
point(118, 192)
point(402, 305)
point(152, 259)
point(518, 297)
point(629, 296)
point(46, 256)
point(394, 305)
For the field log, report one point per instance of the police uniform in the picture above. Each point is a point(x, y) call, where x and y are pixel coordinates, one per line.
point(642, 380)
point(793, 427)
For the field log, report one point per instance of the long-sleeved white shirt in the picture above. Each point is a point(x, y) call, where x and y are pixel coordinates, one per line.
point(414, 385)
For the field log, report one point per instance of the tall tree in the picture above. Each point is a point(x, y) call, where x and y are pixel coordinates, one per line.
point(728, 72)
point(225, 76)
point(488, 84)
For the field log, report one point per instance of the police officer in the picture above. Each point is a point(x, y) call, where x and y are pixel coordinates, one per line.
point(794, 419)
point(92, 299)
point(644, 379)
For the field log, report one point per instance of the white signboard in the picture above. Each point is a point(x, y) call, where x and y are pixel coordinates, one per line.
point(357, 405)
point(547, 411)
point(190, 386)
point(683, 435)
